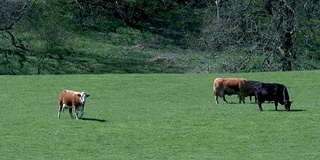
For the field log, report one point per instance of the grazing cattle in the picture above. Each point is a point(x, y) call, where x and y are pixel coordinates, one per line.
point(228, 86)
point(72, 100)
point(272, 92)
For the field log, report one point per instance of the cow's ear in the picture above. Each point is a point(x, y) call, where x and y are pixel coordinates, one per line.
point(79, 94)
point(291, 102)
point(88, 95)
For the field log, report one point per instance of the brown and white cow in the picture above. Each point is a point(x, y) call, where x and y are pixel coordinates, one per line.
point(72, 100)
point(230, 86)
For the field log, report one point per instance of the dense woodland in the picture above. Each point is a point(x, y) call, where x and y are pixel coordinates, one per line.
point(158, 36)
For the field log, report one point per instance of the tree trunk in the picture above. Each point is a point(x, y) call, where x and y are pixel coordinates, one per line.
point(287, 48)
point(287, 16)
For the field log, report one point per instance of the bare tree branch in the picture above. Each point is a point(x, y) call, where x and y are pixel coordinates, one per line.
point(14, 41)
point(7, 28)
point(22, 11)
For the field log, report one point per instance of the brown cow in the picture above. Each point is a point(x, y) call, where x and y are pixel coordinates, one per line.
point(71, 99)
point(230, 86)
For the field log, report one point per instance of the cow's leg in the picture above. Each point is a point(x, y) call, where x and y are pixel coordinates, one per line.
point(216, 98)
point(82, 111)
point(76, 113)
point(59, 111)
point(260, 106)
point(215, 95)
point(81, 108)
point(242, 97)
point(70, 112)
point(276, 105)
point(60, 108)
point(224, 98)
point(259, 101)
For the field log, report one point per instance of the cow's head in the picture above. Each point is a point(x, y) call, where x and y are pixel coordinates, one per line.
point(287, 105)
point(83, 96)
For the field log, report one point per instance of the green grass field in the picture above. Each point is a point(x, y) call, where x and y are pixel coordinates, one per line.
point(157, 116)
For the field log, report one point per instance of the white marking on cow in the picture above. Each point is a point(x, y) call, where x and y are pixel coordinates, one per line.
point(83, 97)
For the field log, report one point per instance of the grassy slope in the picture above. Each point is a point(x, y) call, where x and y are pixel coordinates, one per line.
point(104, 53)
point(157, 116)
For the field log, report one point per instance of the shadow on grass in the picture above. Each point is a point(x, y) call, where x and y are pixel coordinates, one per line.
point(297, 110)
point(93, 119)
point(240, 103)
point(230, 103)
point(292, 110)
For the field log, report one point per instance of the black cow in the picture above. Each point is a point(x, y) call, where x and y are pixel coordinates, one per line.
point(272, 92)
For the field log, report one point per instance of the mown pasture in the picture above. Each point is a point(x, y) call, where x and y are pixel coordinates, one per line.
point(157, 116)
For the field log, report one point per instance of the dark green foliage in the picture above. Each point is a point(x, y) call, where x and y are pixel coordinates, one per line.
point(151, 36)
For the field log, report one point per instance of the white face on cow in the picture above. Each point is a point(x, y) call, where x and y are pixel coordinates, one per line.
point(83, 97)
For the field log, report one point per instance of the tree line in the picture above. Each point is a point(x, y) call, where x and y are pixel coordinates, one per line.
point(283, 34)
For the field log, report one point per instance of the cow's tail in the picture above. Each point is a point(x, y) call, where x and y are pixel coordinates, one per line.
point(60, 105)
point(215, 96)
point(214, 90)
